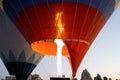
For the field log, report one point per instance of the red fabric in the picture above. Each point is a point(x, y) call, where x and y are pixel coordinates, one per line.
point(38, 23)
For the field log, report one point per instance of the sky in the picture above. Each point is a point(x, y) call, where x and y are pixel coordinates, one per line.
point(103, 57)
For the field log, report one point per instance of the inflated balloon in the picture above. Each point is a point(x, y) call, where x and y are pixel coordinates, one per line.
point(15, 52)
point(76, 22)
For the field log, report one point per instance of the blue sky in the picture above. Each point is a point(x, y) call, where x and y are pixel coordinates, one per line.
point(103, 56)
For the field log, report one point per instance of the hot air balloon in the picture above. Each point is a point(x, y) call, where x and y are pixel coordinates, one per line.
point(76, 22)
point(15, 52)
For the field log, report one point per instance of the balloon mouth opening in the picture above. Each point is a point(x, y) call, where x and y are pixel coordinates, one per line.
point(48, 47)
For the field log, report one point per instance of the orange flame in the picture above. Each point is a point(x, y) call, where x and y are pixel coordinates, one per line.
point(59, 24)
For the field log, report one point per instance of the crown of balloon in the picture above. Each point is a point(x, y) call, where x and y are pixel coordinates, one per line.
point(21, 57)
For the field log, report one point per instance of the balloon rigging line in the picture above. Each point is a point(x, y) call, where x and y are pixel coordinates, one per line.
point(97, 23)
point(94, 47)
point(94, 27)
point(51, 17)
point(97, 42)
point(84, 21)
point(61, 9)
point(73, 26)
point(40, 28)
point(24, 11)
point(93, 22)
point(83, 25)
point(49, 10)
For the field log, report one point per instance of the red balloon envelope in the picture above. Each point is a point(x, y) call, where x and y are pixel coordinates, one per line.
point(76, 22)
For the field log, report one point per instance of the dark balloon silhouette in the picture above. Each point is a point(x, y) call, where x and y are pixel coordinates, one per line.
point(15, 52)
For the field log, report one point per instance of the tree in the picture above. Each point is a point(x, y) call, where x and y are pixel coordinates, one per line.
point(86, 75)
point(105, 78)
point(110, 79)
point(95, 78)
point(98, 77)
